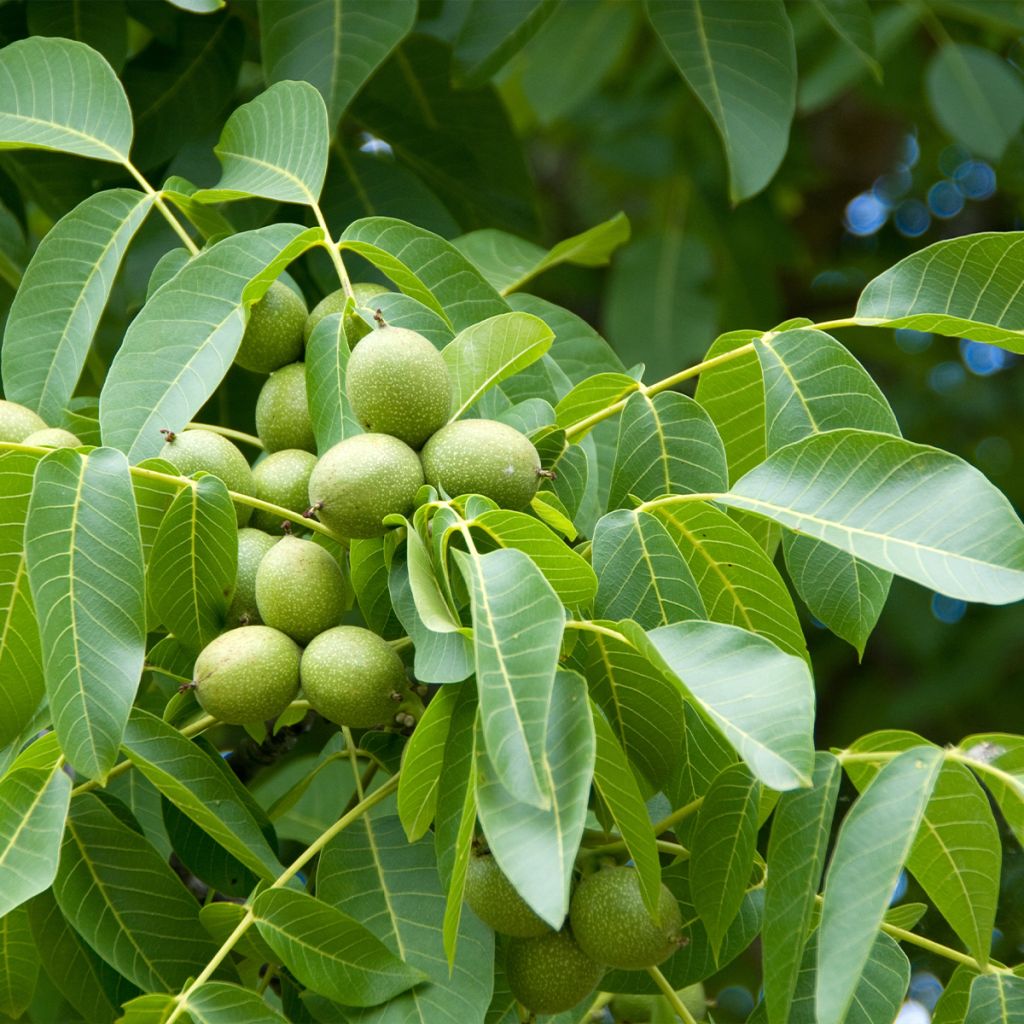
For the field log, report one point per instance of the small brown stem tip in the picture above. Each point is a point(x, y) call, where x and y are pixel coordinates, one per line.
point(169, 435)
point(548, 474)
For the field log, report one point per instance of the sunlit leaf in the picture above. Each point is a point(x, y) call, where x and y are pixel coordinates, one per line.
point(19, 965)
point(996, 999)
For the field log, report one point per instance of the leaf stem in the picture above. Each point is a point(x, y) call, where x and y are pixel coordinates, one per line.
point(235, 435)
point(594, 1009)
point(158, 200)
point(181, 1000)
point(670, 994)
point(828, 325)
point(334, 251)
point(353, 760)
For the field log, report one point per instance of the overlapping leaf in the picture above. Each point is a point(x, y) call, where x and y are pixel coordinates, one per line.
point(491, 34)
point(327, 353)
point(536, 848)
point(422, 762)
point(963, 287)
point(19, 965)
point(60, 94)
point(371, 872)
point(486, 353)
point(84, 556)
point(64, 292)
point(873, 844)
point(996, 999)
point(998, 759)
point(274, 146)
point(739, 58)
point(517, 635)
point(179, 347)
point(906, 508)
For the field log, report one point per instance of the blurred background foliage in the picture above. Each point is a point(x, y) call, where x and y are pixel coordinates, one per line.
point(543, 118)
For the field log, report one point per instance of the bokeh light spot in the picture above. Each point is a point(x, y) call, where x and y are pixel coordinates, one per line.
point(373, 146)
point(983, 360)
point(945, 378)
point(912, 218)
point(925, 988)
point(948, 609)
point(911, 150)
point(976, 179)
point(912, 1012)
point(901, 888)
point(865, 214)
point(891, 187)
point(945, 199)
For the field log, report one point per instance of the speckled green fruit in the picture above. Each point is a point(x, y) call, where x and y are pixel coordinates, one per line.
point(248, 674)
point(550, 973)
point(282, 478)
point(483, 457)
point(252, 546)
point(656, 1009)
point(363, 292)
point(17, 422)
point(350, 675)
point(300, 589)
point(195, 450)
point(398, 384)
point(282, 412)
point(496, 902)
point(362, 479)
point(54, 437)
point(273, 336)
point(611, 922)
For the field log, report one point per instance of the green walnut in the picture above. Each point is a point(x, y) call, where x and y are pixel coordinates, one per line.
point(282, 412)
point(282, 478)
point(496, 902)
point(249, 674)
point(363, 293)
point(300, 589)
point(550, 973)
point(273, 336)
point(361, 480)
point(398, 384)
point(352, 677)
point(17, 422)
point(197, 450)
point(612, 925)
point(53, 437)
point(252, 546)
point(628, 1009)
point(483, 457)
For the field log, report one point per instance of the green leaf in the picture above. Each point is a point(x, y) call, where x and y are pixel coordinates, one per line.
point(126, 902)
point(508, 261)
point(187, 776)
point(218, 1002)
point(957, 855)
point(642, 574)
point(488, 352)
point(667, 445)
point(210, 222)
point(738, 582)
point(618, 787)
point(327, 353)
point(569, 574)
point(84, 557)
point(329, 951)
point(371, 872)
point(853, 22)
point(425, 267)
point(13, 250)
point(274, 146)
point(739, 59)
point(220, 919)
point(961, 287)
point(724, 843)
point(194, 561)
point(492, 32)
point(19, 965)
point(996, 999)
point(975, 97)
point(167, 366)
point(336, 45)
point(879, 994)
point(517, 635)
point(401, 310)
point(422, 762)
point(33, 805)
point(704, 754)
point(21, 660)
point(60, 94)
point(956, 996)
point(796, 858)
point(85, 980)
point(536, 848)
point(65, 289)
point(104, 26)
point(456, 790)
point(368, 562)
point(590, 397)
point(760, 697)
point(873, 845)
point(887, 501)
point(813, 384)
point(998, 758)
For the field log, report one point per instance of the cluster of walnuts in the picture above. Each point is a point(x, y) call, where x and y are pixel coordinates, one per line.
point(290, 593)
